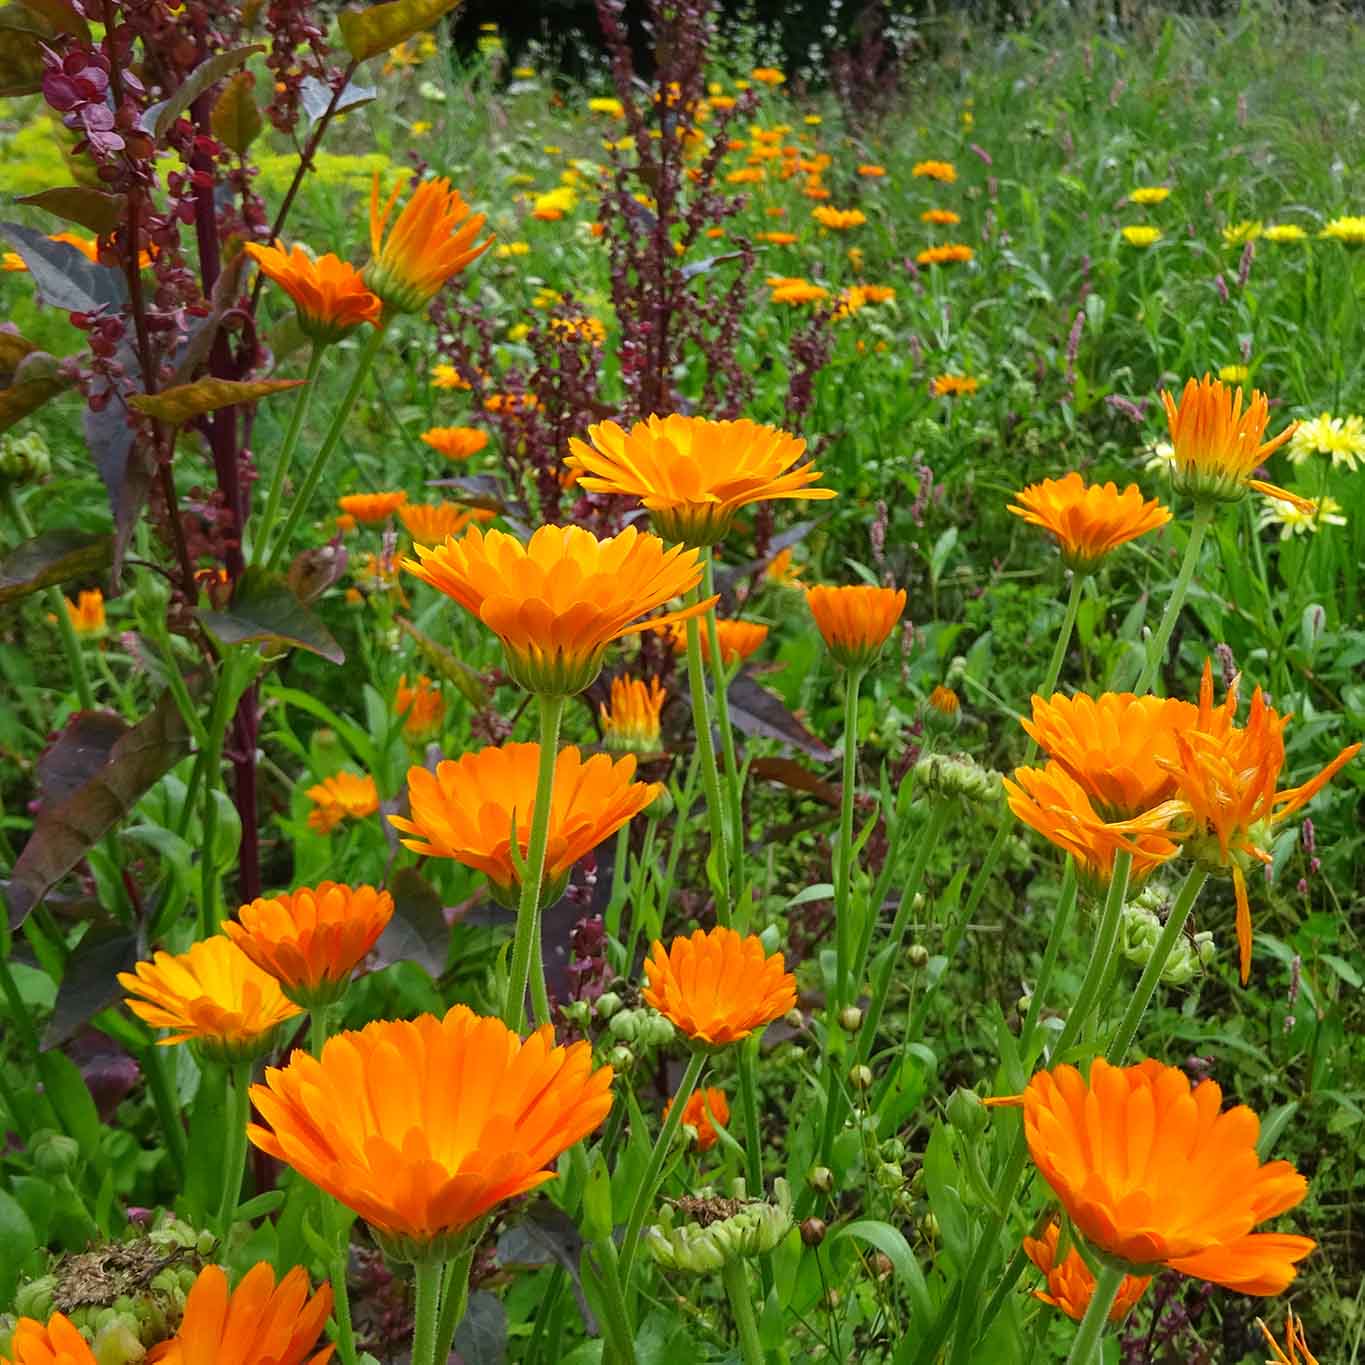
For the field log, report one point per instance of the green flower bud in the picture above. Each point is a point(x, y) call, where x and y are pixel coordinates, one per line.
point(608, 1003)
point(656, 1031)
point(820, 1179)
point(850, 1018)
point(958, 775)
point(794, 1018)
point(893, 1149)
point(24, 459)
point(662, 806)
point(117, 1344)
point(626, 1025)
point(928, 1227)
point(966, 1113)
point(34, 1299)
point(621, 1058)
point(860, 1077)
point(890, 1176)
point(918, 955)
point(576, 1012)
point(55, 1154)
point(727, 1228)
point(1141, 929)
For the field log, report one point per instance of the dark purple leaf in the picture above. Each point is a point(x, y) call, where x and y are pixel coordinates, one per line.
point(756, 711)
point(65, 277)
point(90, 985)
point(481, 1338)
point(790, 773)
point(418, 931)
point(53, 557)
point(78, 753)
point(546, 1235)
point(123, 466)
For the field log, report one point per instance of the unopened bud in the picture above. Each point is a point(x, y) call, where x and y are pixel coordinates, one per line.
point(881, 1265)
point(608, 1003)
point(966, 1112)
point(860, 1077)
point(958, 775)
point(34, 1300)
point(813, 1231)
point(928, 1227)
point(621, 1058)
point(850, 1018)
point(820, 1179)
point(625, 1025)
point(893, 1149)
point(918, 955)
point(890, 1176)
point(794, 1019)
point(55, 1154)
point(576, 1012)
point(117, 1344)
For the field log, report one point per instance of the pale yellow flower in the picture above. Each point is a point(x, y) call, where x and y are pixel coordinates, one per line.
point(1295, 521)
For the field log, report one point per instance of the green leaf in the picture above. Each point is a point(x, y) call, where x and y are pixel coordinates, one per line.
point(65, 1087)
point(207, 1146)
point(20, 1242)
point(264, 609)
point(376, 28)
point(97, 211)
point(158, 118)
point(418, 931)
point(186, 401)
point(38, 378)
point(942, 1181)
point(53, 557)
point(892, 1244)
point(235, 119)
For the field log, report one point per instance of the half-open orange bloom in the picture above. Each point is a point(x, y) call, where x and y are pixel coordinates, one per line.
point(456, 443)
point(259, 1323)
point(855, 621)
point(694, 474)
point(58, 1342)
point(372, 508)
point(422, 707)
point(1070, 1285)
point(432, 239)
point(468, 808)
point(330, 298)
point(431, 523)
point(703, 1105)
point(718, 987)
point(1295, 1351)
point(737, 639)
point(631, 722)
point(86, 613)
point(1152, 1174)
point(1219, 445)
point(340, 797)
point(312, 939)
point(559, 601)
point(1088, 520)
point(424, 1126)
point(214, 995)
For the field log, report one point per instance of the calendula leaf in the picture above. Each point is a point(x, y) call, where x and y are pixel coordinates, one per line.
point(53, 557)
point(186, 401)
point(97, 211)
point(265, 609)
point(235, 119)
point(376, 28)
point(158, 118)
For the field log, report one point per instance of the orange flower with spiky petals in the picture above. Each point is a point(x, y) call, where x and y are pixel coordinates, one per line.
point(940, 217)
point(372, 508)
point(718, 987)
point(953, 385)
point(838, 220)
point(1295, 1351)
point(703, 1106)
point(737, 639)
point(259, 1323)
point(694, 474)
point(950, 253)
point(1088, 520)
point(1070, 1285)
point(330, 298)
point(631, 722)
point(855, 621)
point(423, 1164)
point(86, 613)
point(341, 796)
point(56, 1342)
point(431, 523)
point(558, 601)
point(1152, 1174)
point(213, 996)
point(456, 443)
point(432, 240)
point(935, 170)
point(312, 939)
point(469, 807)
point(422, 707)
point(1218, 444)
point(1050, 801)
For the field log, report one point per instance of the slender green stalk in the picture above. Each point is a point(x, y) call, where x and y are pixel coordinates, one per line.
point(286, 455)
point(748, 1100)
point(304, 493)
point(701, 724)
point(1146, 986)
point(644, 1196)
point(427, 1278)
point(620, 887)
point(341, 1304)
point(224, 702)
point(155, 1068)
point(741, 1305)
point(734, 789)
point(454, 1301)
point(845, 987)
point(1060, 920)
point(234, 1155)
point(1156, 651)
point(1085, 1348)
point(1106, 943)
point(317, 1029)
point(527, 940)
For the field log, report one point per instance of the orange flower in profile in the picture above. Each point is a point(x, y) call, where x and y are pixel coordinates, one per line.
point(776, 238)
point(631, 722)
point(558, 601)
point(702, 1107)
point(694, 474)
point(737, 640)
point(431, 523)
point(421, 706)
point(445, 376)
point(718, 987)
point(953, 385)
point(86, 613)
point(329, 296)
point(940, 217)
point(783, 571)
point(259, 1323)
point(456, 443)
point(214, 996)
point(799, 291)
point(1218, 445)
point(58, 1342)
point(768, 75)
point(312, 939)
point(1152, 1174)
point(839, 220)
point(950, 253)
point(339, 797)
point(372, 508)
point(432, 240)
point(469, 807)
point(871, 172)
point(935, 170)
point(855, 621)
point(424, 1163)
point(1295, 1350)
point(1088, 520)
point(1070, 1284)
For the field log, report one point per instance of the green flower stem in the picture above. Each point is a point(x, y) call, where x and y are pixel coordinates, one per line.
point(427, 1277)
point(304, 493)
point(527, 942)
point(1146, 987)
point(644, 1196)
point(748, 1100)
point(1085, 1348)
point(701, 724)
point(845, 986)
point(742, 1306)
point(234, 1156)
point(286, 455)
point(1106, 944)
point(1060, 920)
point(341, 1303)
point(454, 1301)
point(155, 1068)
point(1156, 651)
point(230, 688)
point(734, 788)
point(620, 889)
point(317, 1028)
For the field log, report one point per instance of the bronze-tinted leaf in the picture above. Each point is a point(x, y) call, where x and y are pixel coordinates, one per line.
point(97, 211)
point(78, 753)
point(37, 378)
point(158, 118)
point(90, 982)
point(314, 571)
point(791, 774)
point(756, 711)
point(373, 29)
point(13, 348)
point(418, 931)
point(235, 119)
point(186, 401)
point(264, 609)
point(21, 62)
point(58, 16)
point(53, 557)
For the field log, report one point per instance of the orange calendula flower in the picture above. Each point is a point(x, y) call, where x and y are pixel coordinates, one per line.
point(456, 443)
point(469, 808)
point(1152, 1174)
point(511, 404)
point(1088, 520)
point(839, 220)
point(737, 640)
point(432, 240)
point(1070, 1285)
point(718, 987)
point(339, 797)
point(799, 291)
point(431, 523)
point(940, 217)
point(214, 996)
point(783, 570)
point(56, 1342)
point(950, 253)
point(445, 376)
point(953, 385)
point(855, 621)
point(871, 172)
point(702, 1108)
point(422, 707)
point(372, 508)
point(258, 1322)
point(558, 601)
point(329, 296)
point(1295, 1351)
point(312, 939)
point(423, 1164)
point(631, 722)
point(86, 613)
point(768, 75)
point(776, 238)
point(694, 474)
point(1218, 444)
point(935, 170)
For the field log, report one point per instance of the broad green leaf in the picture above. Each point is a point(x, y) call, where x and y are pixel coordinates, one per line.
point(186, 401)
point(892, 1244)
point(97, 211)
point(158, 118)
point(264, 609)
point(448, 664)
point(18, 1239)
point(374, 29)
point(37, 379)
point(235, 119)
point(53, 557)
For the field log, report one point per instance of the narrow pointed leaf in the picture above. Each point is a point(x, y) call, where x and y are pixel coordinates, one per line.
point(97, 211)
point(264, 609)
point(187, 401)
point(53, 557)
